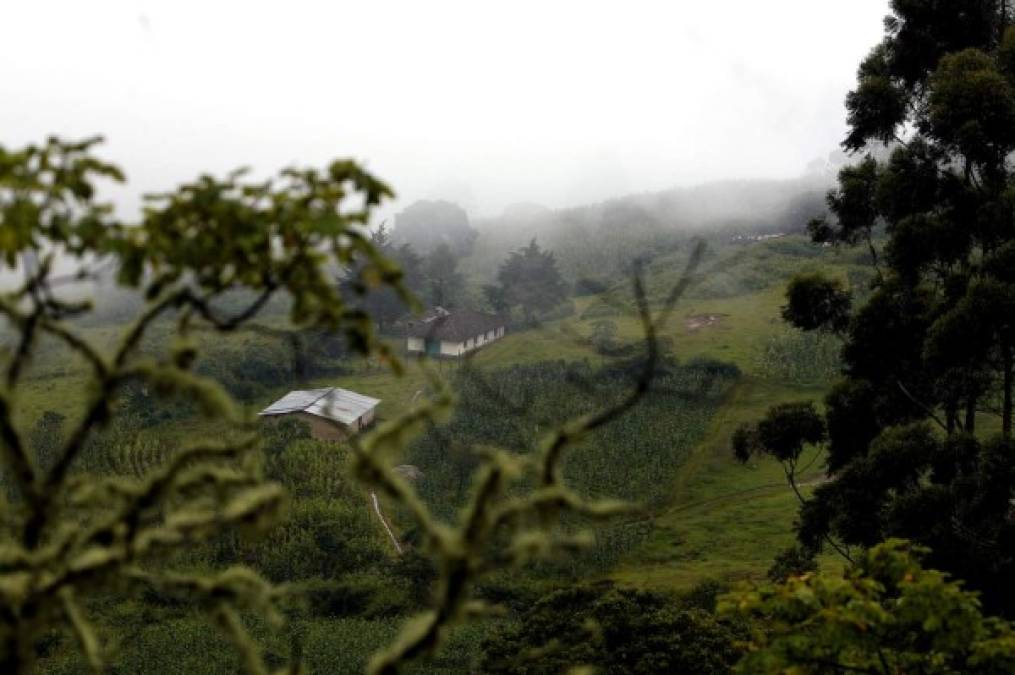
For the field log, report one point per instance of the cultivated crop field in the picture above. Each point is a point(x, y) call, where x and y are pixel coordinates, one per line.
point(700, 517)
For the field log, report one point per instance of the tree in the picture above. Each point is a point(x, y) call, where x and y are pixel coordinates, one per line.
point(888, 614)
point(381, 301)
point(444, 284)
point(604, 336)
point(944, 71)
point(935, 342)
point(46, 437)
point(529, 278)
point(615, 631)
point(69, 536)
point(814, 302)
point(426, 225)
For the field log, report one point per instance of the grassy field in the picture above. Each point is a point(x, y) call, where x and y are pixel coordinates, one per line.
point(723, 520)
point(726, 521)
point(713, 519)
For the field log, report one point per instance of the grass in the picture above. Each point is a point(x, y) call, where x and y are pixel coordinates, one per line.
point(726, 521)
point(723, 520)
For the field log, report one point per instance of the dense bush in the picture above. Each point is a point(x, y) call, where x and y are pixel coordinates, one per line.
point(887, 614)
point(615, 631)
point(260, 363)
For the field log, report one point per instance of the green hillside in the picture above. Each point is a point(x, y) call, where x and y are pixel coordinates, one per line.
point(723, 520)
point(708, 518)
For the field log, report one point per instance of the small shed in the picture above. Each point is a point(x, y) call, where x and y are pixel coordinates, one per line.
point(332, 413)
point(452, 333)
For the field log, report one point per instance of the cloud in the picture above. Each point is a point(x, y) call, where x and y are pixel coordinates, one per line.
point(520, 101)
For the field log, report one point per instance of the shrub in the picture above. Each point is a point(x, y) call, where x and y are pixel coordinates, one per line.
point(613, 630)
point(887, 614)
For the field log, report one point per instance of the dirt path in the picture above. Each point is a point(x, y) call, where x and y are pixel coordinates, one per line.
point(384, 522)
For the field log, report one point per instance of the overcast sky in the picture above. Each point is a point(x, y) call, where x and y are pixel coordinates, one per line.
point(486, 103)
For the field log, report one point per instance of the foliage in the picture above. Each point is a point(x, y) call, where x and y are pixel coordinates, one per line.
point(45, 437)
point(427, 225)
point(814, 302)
point(272, 358)
point(444, 284)
point(90, 536)
point(528, 279)
point(800, 358)
point(604, 336)
point(888, 614)
point(934, 343)
point(794, 561)
point(384, 303)
point(782, 433)
point(613, 630)
point(516, 501)
point(71, 536)
point(587, 286)
point(510, 408)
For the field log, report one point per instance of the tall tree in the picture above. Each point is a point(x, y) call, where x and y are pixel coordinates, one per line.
point(444, 284)
point(426, 225)
point(381, 301)
point(935, 343)
point(528, 279)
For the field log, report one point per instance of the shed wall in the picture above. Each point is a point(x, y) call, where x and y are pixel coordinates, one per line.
point(322, 429)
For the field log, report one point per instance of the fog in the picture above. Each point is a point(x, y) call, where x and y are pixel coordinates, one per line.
point(559, 103)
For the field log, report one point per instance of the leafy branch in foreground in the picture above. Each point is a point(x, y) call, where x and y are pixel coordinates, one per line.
point(499, 527)
point(211, 256)
point(887, 614)
point(69, 535)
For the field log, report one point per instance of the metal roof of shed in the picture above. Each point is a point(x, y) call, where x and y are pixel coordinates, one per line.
point(340, 405)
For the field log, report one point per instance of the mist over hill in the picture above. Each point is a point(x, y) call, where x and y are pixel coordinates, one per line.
point(598, 239)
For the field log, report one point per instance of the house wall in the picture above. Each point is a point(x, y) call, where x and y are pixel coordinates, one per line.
point(320, 428)
point(325, 430)
point(482, 339)
point(448, 348)
point(452, 348)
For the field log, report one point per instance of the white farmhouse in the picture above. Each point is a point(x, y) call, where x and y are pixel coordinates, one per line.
point(332, 413)
point(456, 333)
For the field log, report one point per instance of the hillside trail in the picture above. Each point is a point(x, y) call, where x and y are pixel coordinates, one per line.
point(742, 404)
point(384, 521)
point(745, 494)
